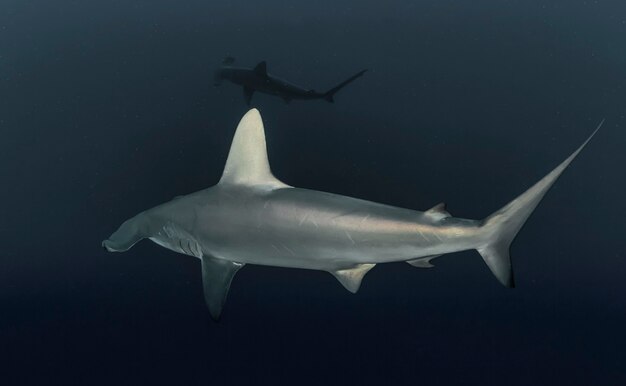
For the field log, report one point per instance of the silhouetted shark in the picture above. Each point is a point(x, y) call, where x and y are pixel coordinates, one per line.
point(257, 79)
point(251, 217)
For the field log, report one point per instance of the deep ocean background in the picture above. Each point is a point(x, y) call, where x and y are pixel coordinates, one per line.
point(107, 108)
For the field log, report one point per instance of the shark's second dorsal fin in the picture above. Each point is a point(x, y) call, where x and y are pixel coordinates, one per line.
point(261, 69)
point(438, 212)
point(247, 162)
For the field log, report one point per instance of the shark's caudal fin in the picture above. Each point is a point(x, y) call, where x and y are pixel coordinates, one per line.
point(328, 95)
point(501, 227)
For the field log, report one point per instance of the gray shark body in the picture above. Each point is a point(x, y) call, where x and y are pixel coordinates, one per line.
point(257, 79)
point(250, 217)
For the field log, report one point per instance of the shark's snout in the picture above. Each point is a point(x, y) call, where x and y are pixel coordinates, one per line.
point(107, 245)
point(128, 234)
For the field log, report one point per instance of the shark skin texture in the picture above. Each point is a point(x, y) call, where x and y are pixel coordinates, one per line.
point(251, 217)
point(257, 79)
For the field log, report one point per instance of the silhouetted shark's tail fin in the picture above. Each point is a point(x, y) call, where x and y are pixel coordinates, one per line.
point(328, 95)
point(502, 226)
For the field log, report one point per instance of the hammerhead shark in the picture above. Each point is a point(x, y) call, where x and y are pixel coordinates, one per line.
point(257, 79)
point(251, 217)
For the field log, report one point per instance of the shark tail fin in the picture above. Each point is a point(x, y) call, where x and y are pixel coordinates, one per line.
point(329, 95)
point(500, 228)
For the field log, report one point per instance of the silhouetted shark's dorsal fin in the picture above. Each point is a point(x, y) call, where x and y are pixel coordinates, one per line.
point(438, 212)
point(261, 69)
point(227, 61)
point(247, 162)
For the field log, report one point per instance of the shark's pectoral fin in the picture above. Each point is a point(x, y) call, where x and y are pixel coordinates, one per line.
point(423, 262)
point(247, 94)
point(351, 278)
point(217, 274)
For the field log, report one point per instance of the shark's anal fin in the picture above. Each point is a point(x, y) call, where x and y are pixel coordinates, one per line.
point(351, 278)
point(247, 162)
point(261, 69)
point(423, 262)
point(217, 274)
point(247, 94)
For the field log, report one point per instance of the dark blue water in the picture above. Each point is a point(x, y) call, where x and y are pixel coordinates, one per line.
point(107, 108)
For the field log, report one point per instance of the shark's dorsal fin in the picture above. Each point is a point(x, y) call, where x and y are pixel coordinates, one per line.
point(217, 274)
point(438, 212)
point(261, 69)
point(351, 278)
point(227, 61)
point(247, 162)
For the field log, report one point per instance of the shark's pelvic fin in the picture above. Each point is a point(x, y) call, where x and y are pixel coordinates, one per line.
point(247, 162)
point(502, 226)
point(423, 262)
point(351, 278)
point(438, 212)
point(217, 274)
point(261, 69)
